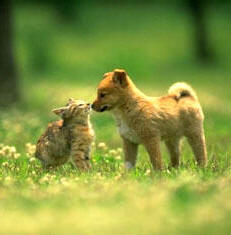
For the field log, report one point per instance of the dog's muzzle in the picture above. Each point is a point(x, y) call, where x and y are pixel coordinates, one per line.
point(104, 108)
point(99, 109)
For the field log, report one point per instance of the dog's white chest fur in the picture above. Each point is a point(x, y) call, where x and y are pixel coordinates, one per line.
point(124, 130)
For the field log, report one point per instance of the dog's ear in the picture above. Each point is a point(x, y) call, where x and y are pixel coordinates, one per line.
point(120, 77)
point(60, 111)
point(105, 75)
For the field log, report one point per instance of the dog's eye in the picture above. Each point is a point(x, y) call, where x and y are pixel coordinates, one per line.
point(102, 95)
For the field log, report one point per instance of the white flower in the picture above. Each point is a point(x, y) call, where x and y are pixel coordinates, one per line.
point(12, 149)
point(32, 159)
point(8, 179)
point(118, 157)
point(44, 179)
point(30, 149)
point(5, 164)
point(102, 146)
point(148, 171)
point(112, 152)
point(17, 155)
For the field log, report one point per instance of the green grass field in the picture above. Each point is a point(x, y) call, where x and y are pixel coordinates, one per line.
point(58, 61)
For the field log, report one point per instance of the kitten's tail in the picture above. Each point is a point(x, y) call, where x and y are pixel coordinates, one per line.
point(181, 89)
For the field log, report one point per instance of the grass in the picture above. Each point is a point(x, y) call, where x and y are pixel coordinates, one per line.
point(59, 61)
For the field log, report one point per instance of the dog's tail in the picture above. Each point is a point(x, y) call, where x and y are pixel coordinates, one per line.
point(180, 90)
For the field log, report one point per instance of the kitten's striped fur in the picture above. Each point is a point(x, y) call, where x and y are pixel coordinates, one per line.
point(68, 138)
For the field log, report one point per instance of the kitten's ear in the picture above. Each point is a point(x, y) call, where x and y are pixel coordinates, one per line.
point(120, 77)
point(60, 111)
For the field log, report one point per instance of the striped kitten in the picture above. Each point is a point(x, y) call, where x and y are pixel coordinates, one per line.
point(68, 138)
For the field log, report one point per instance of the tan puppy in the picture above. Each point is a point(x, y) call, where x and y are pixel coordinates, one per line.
point(147, 120)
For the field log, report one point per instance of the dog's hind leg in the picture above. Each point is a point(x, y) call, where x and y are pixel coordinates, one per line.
point(153, 148)
point(197, 142)
point(130, 153)
point(173, 146)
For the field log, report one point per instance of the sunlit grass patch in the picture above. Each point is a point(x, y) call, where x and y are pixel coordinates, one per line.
point(110, 199)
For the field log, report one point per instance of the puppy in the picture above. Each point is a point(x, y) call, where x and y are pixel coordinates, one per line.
point(148, 120)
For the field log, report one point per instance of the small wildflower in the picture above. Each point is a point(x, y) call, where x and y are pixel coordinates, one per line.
point(148, 171)
point(13, 149)
point(5, 164)
point(112, 152)
point(8, 179)
point(30, 149)
point(102, 146)
point(118, 157)
point(8, 152)
point(63, 179)
point(32, 159)
point(17, 155)
point(29, 180)
point(44, 179)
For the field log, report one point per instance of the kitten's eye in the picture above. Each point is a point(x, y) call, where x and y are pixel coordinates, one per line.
point(80, 105)
point(102, 95)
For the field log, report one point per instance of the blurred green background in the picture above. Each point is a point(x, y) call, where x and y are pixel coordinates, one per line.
point(52, 50)
point(61, 49)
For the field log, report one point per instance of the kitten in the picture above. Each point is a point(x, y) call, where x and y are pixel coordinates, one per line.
point(68, 138)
